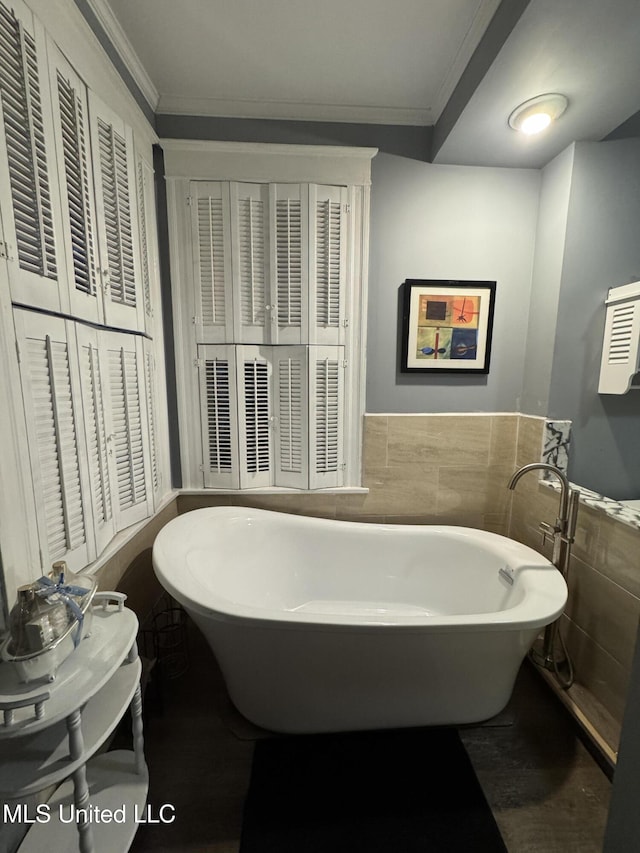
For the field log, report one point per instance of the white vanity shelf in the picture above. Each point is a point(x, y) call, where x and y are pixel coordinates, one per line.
point(52, 730)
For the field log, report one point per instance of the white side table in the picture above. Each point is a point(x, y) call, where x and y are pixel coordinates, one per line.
point(51, 732)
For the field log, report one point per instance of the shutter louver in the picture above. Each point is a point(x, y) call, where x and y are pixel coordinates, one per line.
point(256, 408)
point(254, 416)
point(211, 256)
point(328, 263)
point(327, 257)
point(50, 405)
point(92, 382)
point(117, 213)
point(128, 429)
point(57, 444)
point(211, 246)
point(290, 415)
point(249, 240)
point(291, 443)
point(289, 262)
point(326, 439)
point(326, 416)
point(23, 120)
point(622, 329)
point(218, 402)
point(74, 148)
point(218, 415)
point(251, 216)
point(127, 436)
point(97, 442)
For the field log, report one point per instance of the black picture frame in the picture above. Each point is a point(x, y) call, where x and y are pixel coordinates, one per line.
point(447, 326)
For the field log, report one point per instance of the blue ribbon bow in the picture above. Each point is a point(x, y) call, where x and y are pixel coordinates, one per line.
point(49, 588)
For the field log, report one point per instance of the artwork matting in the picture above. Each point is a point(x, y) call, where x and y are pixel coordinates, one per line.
point(447, 326)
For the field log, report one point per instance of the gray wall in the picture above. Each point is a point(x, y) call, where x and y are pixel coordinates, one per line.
point(449, 222)
point(551, 232)
point(602, 250)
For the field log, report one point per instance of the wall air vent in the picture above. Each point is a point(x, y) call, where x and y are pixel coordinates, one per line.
point(621, 349)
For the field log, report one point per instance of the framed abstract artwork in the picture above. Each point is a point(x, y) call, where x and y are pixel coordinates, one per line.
point(447, 326)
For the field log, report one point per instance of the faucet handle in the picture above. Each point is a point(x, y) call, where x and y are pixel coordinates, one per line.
point(548, 531)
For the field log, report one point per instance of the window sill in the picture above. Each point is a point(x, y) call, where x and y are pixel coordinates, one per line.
point(277, 490)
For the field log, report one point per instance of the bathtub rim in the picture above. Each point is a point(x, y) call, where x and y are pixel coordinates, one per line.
point(543, 601)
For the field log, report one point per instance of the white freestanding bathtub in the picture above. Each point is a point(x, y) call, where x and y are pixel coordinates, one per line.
point(322, 625)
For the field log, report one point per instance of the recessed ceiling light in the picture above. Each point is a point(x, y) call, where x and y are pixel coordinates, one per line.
point(537, 113)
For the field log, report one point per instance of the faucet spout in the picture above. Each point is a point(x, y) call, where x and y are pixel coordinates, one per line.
point(564, 485)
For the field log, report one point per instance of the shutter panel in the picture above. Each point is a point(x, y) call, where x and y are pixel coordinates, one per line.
point(291, 437)
point(211, 247)
point(254, 416)
point(126, 420)
point(327, 263)
point(71, 125)
point(289, 228)
point(250, 245)
point(93, 381)
point(30, 203)
point(52, 402)
point(326, 405)
point(112, 149)
point(218, 414)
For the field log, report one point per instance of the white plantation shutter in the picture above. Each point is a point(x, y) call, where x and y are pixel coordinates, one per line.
point(289, 227)
point(326, 428)
point(71, 125)
point(211, 247)
point(271, 277)
point(250, 262)
point(113, 165)
point(327, 260)
point(30, 209)
point(218, 414)
point(127, 427)
point(93, 379)
point(253, 372)
point(51, 396)
point(290, 401)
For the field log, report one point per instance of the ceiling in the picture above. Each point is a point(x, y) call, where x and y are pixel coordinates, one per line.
point(460, 66)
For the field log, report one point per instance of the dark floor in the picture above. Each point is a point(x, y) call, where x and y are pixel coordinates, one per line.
point(546, 791)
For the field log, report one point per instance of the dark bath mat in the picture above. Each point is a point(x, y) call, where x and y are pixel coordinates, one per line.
point(406, 791)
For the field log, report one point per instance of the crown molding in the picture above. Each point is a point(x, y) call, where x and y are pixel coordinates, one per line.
point(118, 38)
point(292, 111)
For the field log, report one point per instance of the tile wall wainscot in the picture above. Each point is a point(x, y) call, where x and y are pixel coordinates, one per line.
point(601, 620)
point(418, 469)
point(112, 568)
